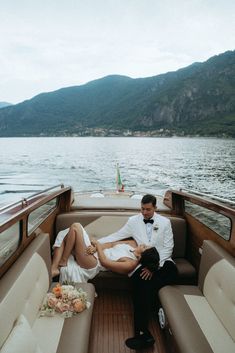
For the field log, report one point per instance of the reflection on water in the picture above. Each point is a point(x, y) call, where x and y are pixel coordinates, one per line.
point(32, 164)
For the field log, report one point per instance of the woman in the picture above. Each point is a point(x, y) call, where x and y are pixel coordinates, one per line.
point(80, 260)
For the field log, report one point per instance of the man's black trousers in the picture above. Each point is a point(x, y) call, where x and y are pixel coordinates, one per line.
point(144, 293)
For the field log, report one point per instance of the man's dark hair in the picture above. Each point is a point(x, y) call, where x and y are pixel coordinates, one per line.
point(149, 199)
point(150, 259)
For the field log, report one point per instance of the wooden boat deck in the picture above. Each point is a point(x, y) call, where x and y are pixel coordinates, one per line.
point(113, 322)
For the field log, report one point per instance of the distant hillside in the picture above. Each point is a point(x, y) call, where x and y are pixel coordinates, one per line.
point(196, 100)
point(4, 104)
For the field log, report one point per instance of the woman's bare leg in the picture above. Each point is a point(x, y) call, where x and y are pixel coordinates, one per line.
point(75, 242)
point(69, 246)
point(57, 255)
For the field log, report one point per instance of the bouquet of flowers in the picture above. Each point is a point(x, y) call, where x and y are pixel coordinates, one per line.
point(66, 300)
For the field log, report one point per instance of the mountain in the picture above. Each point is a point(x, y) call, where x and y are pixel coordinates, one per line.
point(196, 100)
point(4, 104)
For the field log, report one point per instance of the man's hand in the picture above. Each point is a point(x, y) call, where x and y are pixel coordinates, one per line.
point(146, 274)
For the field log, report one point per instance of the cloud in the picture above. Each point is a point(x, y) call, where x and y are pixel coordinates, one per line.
point(51, 44)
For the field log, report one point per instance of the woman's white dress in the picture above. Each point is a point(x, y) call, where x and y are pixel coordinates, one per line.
point(75, 273)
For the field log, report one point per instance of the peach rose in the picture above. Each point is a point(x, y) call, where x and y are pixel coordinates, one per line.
point(57, 290)
point(78, 305)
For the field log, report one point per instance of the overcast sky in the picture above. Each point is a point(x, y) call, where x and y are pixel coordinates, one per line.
point(49, 44)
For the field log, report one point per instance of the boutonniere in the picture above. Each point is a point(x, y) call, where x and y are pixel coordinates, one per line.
point(155, 228)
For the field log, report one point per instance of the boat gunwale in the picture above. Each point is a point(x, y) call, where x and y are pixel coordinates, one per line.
point(15, 212)
point(208, 203)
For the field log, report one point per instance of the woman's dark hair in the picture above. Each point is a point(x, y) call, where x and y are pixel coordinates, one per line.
point(150, 259)
point(149, 199)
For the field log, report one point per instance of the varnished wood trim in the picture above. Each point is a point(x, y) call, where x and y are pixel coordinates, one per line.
point(177, 199)
point(197, 233)
point(21, 216)
point(15, 214)
point(208, 203)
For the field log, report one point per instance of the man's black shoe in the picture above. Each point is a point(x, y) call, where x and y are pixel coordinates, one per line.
point(140, 341)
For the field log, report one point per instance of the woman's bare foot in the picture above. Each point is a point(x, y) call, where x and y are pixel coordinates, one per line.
point(55, 272)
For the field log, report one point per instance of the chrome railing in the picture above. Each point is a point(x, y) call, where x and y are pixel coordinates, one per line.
point(216, 198)
point(23, 202)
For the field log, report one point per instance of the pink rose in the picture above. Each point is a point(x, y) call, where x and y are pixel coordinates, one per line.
point(52, 302)
point(61, 307)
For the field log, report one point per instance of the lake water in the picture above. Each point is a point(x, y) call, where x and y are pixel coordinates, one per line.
point(28, 165)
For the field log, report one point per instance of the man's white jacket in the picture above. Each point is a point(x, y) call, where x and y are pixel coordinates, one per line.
point(162, 236)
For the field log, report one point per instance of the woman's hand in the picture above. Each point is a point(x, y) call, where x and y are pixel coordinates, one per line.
point(93, 241)
point(91, 249)
point(95, 245)
point(146, 274)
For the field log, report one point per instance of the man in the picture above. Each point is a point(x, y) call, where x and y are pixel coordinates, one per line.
point(154, 230)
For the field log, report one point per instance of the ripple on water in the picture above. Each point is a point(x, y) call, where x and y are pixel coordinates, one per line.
point(200, 164)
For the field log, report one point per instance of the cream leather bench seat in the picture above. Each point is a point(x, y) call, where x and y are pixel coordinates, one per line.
point(22, 290)
point(103, 224)
point(202, 318)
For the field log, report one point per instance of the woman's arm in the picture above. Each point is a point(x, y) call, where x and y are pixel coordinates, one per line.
point(123, 267)
point(92, 248)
